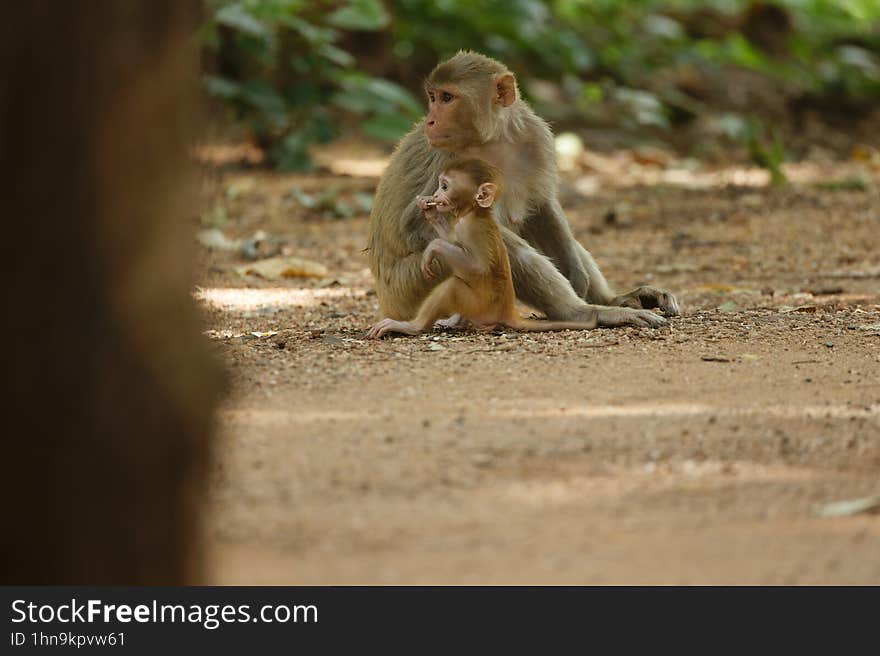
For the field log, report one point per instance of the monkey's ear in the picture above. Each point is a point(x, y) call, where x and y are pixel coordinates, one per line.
point(505, 90)
point(485, 194)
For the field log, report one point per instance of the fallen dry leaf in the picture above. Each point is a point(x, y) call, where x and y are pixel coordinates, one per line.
point(849, 507)
point(283, 267)
point(786, 309)
point(651, 156)
point(215, 239)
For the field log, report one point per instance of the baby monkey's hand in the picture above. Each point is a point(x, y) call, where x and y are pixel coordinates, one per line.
point(438, 221)
point(429, 206)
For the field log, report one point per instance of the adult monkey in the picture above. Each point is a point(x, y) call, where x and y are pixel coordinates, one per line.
point(475, 111)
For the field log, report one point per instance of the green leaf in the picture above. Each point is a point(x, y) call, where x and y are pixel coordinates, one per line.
point(336, 55)
point(394, 94)
point(364, 95)
point(264, 97)
point(366, 15)
point(237, 17)
point(352, 101)
point(745, 54)
point(292, 154)
point(312, 33)
point(364, 201)
point(221, 87)
point(302, 197)
point(320, 127)
point(208, 35)
point(387, 127)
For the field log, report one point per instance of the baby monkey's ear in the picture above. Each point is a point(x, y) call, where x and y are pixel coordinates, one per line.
point(485, 194)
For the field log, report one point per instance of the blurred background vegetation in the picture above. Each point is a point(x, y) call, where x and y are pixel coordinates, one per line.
point(689, 73)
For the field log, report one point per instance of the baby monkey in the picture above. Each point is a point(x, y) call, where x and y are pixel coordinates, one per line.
point(480, 287)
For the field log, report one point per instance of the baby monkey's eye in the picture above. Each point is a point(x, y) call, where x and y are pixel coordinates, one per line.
point(446, 97)
point(444, 186)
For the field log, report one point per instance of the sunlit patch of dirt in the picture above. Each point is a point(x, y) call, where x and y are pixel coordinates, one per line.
point(696, 453)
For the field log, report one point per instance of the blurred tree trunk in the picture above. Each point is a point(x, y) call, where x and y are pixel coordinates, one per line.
point(108, 390)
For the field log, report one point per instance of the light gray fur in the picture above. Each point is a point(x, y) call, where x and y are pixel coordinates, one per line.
point(552, 272)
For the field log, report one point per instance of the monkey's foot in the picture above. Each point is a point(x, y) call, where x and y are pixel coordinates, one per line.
point(392, 326)
point(613, 317)
point(647, 298)
point(451, 322)
point(488, 327)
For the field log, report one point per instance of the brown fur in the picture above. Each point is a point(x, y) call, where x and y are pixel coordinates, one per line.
point(551, 270)
point(480, 291)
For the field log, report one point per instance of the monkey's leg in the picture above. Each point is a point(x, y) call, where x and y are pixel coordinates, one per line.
point(550, 232)
point(451, 322)
point(400, 284)
point(450, 299)
point(441, 302)
point(640, 298)
point(540, 284)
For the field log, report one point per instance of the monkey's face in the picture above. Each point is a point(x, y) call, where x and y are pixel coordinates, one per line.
point(454, 192)
point(457, 193)
point(449, 124)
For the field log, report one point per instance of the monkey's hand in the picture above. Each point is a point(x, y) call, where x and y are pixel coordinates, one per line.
point(438, 221)
point(428, 206)
point(429, 263)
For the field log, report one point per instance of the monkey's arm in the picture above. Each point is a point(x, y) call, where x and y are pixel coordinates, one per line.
point(453, 256)
point(549, 231)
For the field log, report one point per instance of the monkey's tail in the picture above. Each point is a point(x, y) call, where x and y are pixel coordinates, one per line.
point(533, 326)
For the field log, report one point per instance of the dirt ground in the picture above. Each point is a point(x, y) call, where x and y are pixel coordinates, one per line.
point(701, 453)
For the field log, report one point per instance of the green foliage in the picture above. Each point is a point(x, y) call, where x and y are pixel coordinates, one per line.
point(282, 71)
point(331, 203)
point(524, 33)
point(290, 68)
point(767, 150)
point(653, 63)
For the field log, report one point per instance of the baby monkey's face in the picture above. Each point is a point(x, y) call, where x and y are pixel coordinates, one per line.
point(455, 193)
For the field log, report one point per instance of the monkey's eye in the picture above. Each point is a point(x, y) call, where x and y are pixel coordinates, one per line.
point(444, 186)
point(446, 97)
point(431, 96)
